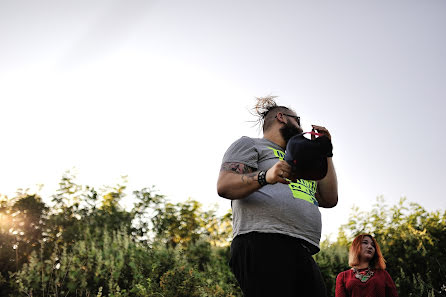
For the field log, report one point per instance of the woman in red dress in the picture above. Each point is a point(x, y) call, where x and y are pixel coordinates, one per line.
point(367, 277)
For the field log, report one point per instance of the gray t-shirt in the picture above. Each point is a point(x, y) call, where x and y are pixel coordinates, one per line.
point(287, 209)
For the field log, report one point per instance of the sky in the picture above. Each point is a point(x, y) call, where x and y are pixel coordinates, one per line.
point(158, 90)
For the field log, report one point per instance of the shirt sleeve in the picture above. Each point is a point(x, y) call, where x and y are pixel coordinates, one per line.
point(390, 286)
point(242, 151)
point(340, 285)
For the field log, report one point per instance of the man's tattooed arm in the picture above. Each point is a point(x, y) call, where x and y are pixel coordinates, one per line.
point(247, 174)
point(239, 168)
point(237, 180)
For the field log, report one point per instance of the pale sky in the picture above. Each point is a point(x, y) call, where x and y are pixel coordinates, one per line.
point(157, 90)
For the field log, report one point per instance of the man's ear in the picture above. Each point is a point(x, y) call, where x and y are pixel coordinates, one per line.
point(280, 118)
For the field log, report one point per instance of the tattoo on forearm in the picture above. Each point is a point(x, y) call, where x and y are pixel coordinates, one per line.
point(249, 178)
point(247, 173)
point(239, 168)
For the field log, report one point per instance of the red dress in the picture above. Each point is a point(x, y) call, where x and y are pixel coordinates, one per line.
point(379, 285)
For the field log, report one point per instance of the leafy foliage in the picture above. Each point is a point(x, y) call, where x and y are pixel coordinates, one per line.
point(86, 244)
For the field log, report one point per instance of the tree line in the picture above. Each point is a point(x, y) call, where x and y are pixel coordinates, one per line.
point(84, 243)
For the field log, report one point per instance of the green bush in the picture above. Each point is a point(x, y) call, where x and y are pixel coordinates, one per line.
point(87, 245)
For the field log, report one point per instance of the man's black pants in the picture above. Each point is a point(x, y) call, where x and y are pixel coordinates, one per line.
point(270, 264)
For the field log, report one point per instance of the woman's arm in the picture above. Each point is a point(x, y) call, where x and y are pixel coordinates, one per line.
point(340, 285)
point(390, 286)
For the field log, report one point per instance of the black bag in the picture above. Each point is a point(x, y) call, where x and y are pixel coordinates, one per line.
point(308, 158)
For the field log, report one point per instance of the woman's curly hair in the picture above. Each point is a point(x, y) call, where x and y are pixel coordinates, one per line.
point(262, 110)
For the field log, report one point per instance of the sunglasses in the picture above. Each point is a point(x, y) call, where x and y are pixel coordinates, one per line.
point(294, 117)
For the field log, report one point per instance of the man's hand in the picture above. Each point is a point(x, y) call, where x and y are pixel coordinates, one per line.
point(321, 130)
point(279, 173)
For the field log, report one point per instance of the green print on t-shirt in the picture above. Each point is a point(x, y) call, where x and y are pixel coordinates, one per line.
point(302, 189)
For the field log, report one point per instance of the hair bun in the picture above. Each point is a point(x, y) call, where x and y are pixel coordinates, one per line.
point(264, 105)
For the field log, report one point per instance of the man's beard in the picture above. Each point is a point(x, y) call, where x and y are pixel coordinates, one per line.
point(289, 130)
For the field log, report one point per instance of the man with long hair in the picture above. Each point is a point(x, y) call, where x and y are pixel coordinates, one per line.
point(276, 217)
